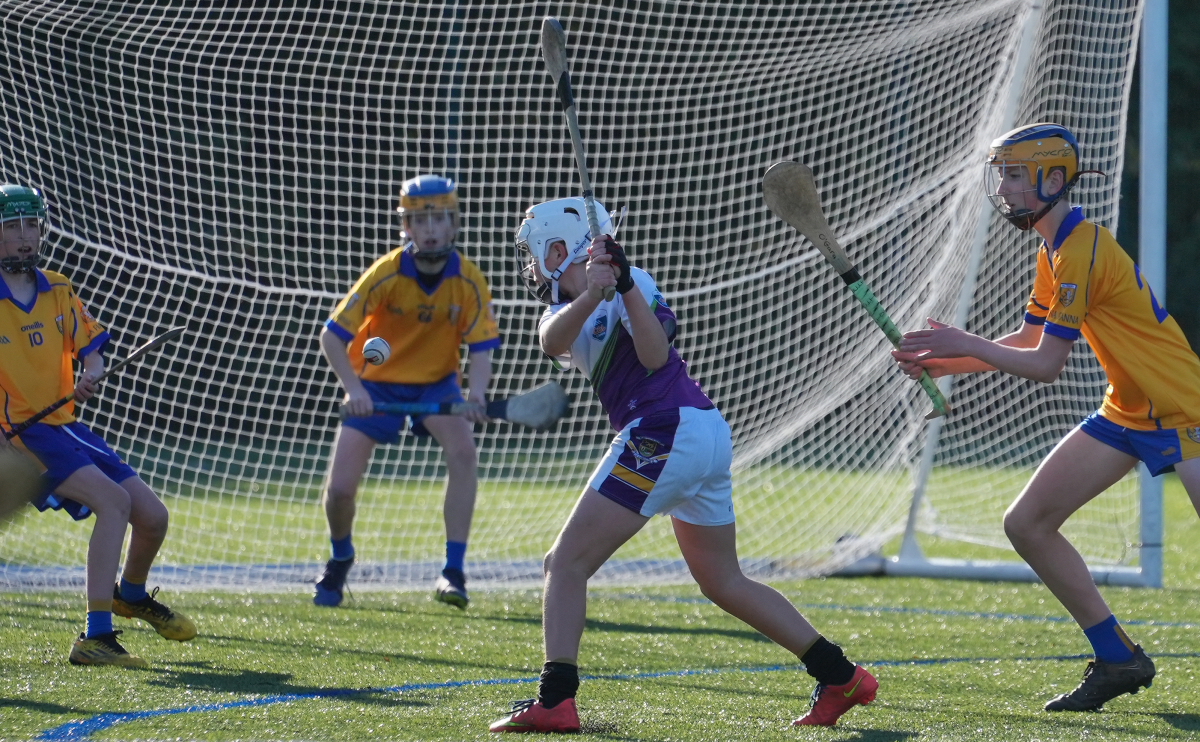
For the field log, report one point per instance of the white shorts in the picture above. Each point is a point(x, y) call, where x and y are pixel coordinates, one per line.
point(675, 462)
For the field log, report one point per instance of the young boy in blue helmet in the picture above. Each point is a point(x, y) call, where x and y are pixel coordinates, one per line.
point(1085, 285)
point(44, 330)
point(426, 300)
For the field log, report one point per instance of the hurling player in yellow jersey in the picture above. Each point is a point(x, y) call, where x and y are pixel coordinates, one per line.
point(1087, 285)
point(426, 300)
point(44, 328)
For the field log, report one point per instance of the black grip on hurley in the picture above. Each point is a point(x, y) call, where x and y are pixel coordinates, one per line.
point(565, 97)
point(851, 277)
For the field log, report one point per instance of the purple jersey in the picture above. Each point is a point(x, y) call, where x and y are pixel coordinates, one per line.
point(605, 354)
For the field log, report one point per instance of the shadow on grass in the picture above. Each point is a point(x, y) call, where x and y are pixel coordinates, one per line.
point(1184, 722)
point(42, 707)
point(321, 650)
point(874, 735)
point(205, 678)
point(633, 628)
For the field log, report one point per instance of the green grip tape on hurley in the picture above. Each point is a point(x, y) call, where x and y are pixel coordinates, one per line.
point(862, 291)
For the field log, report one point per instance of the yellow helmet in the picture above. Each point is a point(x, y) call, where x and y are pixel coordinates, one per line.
point(1041, 149)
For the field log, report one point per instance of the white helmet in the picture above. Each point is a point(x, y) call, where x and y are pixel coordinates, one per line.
point(561, 220)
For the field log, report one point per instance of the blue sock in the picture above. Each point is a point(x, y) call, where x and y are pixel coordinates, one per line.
point(343, 548)
point(99, 622)
point(132, 592)
point(456, 552)
point(1109, 641)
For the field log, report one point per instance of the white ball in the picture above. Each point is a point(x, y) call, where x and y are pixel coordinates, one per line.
point(376, 351)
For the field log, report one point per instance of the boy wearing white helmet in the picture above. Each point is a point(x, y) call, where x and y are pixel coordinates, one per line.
point(672, 455)
point(1085, 285)
point(425, 300)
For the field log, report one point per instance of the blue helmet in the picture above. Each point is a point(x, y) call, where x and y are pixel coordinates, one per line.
point(426, 193)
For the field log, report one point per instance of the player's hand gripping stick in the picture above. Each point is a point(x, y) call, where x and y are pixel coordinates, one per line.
point(791, 192)
point(136, 355)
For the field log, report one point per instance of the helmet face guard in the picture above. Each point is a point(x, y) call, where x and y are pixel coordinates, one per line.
point(562, 220)
point(1034, 151)
point(17, 204)
point(427, 195)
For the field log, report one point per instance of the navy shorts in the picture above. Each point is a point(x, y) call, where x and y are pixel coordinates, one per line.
point(64, 450)
point(1161, 450)
point(386, 428)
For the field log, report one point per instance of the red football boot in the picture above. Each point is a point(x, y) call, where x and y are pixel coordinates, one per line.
point(531, 716)
point(829, 702)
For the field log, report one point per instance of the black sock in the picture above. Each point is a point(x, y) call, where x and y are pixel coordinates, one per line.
point(559, 681)
point(825, 662)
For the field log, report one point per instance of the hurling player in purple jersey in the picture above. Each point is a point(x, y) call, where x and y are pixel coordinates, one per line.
point(672, 455)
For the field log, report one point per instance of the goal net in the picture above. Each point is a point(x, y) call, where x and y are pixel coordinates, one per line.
point(233, 171)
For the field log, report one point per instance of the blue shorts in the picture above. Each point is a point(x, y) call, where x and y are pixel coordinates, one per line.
point(385, 428)
point(64, 450)
point(1161, 450)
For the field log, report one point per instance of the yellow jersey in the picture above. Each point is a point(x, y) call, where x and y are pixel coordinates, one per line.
point(1087, 284)
point(38, 344)
point(425, 327)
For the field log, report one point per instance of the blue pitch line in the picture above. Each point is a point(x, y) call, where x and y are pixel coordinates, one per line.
point(921, 612)
point(84, 728)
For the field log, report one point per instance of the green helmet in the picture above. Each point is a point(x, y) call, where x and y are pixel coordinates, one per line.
point(20, 202)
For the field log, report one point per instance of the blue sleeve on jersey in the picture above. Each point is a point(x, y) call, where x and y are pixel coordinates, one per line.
point(1033, 319)
point(340, 331)
point(1058, 331)
point(98, 344)
point(485, 345)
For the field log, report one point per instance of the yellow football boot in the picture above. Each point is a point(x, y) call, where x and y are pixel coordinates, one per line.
point(104, 649)
point(168, 623)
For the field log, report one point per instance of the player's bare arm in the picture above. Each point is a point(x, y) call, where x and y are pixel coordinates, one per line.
point(479, 377)
point(93, 368)
point(649, 338)
point(358, 401)
point(1042, 362)
point(586, 284)
point(912, 362)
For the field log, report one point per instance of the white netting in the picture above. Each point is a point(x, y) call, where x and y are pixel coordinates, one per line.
point(235, 170)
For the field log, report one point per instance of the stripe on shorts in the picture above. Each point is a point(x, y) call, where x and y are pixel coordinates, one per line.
point(642, 459)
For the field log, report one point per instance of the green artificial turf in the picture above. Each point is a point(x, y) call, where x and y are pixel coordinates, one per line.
point(956, 661)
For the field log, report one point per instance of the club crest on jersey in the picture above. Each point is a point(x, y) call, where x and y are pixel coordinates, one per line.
point(455, 310)
point(1194, 434)
point(645, 451)
point(58, 322)
point(1066, 293)
point(658, 297)
point(600, 329)
point(425, 312)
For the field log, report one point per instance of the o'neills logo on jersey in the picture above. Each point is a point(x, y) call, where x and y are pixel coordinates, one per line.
point(600, 329)
point(34, 326)
point(1066, 293)
point(1193, 433)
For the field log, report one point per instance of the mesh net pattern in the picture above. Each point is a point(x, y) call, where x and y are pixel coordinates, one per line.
point(233, 171)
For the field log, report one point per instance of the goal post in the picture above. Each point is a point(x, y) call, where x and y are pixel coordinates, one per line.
point(234, 171)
